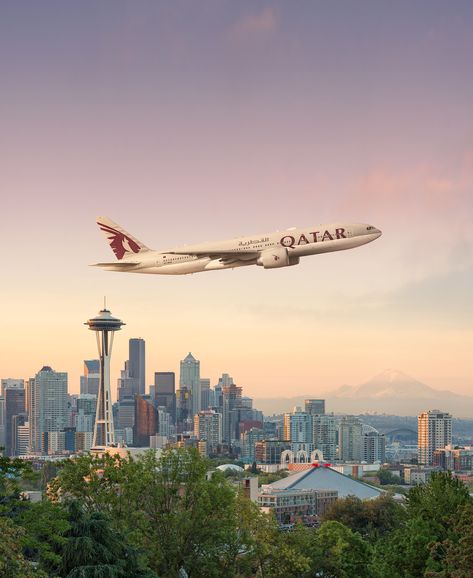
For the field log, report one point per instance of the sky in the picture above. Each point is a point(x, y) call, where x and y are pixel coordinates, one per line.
point(198, 121)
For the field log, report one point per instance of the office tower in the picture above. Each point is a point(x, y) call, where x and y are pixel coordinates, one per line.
point(47, 405)
point(190, 378)
point(434, 431)
point(231, 400)
point(126, 413)
point(146, 422)
point(373, 447)
point(224, 380)
point(132, 377)
point(2, 423)
point(14, 406)
point(314, 406)
point(204, 392)
point(349, 438)
point(20, 435)
point(89, 382)
point(105, 326)
point(165, 392)
point(137, 364)
point(324, 431)
point(165, 422)
point(85, 412)
point(208, 428)
point(11, 384)
point(183, 409)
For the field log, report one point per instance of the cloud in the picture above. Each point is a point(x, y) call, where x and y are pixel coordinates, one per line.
point(262, 24)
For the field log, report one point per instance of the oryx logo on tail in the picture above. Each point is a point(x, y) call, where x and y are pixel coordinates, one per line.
point(119, 240)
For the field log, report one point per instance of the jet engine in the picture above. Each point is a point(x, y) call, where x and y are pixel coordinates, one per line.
point(278, 257)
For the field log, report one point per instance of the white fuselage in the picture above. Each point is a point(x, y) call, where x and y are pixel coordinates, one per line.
point(255, 249)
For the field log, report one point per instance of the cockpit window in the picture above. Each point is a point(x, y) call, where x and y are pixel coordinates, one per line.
point(369, 228)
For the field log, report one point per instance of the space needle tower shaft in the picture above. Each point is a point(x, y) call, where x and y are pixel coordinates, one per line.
point(104, 326)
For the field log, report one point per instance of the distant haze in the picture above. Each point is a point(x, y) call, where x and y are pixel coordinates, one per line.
point(390, 392)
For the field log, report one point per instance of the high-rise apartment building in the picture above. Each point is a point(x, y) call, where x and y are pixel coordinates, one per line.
point(350, 431)
point(89, 382)
point(434, 431)
point(298, 426)
point(324, 432)
point(314, 406)
point(208, 428)
point(373, 447)
point(190, 378)
point(47, 405)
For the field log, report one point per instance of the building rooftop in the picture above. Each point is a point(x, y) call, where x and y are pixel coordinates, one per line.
point(324, 477)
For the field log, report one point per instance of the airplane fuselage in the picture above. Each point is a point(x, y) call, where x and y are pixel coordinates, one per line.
point(272, 250)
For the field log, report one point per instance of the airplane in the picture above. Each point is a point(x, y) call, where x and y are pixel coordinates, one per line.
point(270, 250)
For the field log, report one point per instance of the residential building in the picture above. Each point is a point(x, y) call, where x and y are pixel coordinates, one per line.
point(324, 433)
point(434, 431)
point(350, 431)
point(314, 406)
point(208, 428)
point(373, 447)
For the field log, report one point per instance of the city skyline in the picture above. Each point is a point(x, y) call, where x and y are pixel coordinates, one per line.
point(187, 124)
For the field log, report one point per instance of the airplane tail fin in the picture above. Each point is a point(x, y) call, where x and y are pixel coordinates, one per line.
point(122, 243)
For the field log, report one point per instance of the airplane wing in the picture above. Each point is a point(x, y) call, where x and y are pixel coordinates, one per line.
point(119, 264)
point(225, 256)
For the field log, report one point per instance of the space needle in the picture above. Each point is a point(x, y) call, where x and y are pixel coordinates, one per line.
point(104, 326)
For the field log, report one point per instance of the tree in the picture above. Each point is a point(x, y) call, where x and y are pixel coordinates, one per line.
point(267, 551)
point(12, 562)
point(387, 477)
point(166, 506)
point(94, 549)
point(337, 552)
point(433, 510)
point(371, 518)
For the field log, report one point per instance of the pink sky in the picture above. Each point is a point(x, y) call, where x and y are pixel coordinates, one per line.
point(192, 122)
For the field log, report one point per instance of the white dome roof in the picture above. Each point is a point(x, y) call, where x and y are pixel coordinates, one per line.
point(225, 467)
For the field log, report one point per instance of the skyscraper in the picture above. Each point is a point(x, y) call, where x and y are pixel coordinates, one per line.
point(434, 431)
point(231, 399)
point(349, 439)
point(374, 447)
point(89, 382)
point(165, 392)
point(190, 378)
point(14, 406)
point(133, 376)
point(146, 422)
point(137, 363)
point(47, 405)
